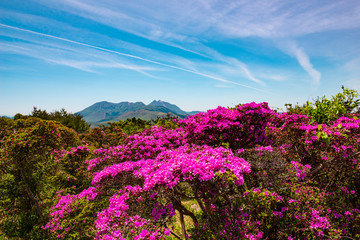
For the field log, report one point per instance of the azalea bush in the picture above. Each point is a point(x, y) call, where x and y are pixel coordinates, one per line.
point(243, 126)
point(250, 172)
point(246, 172)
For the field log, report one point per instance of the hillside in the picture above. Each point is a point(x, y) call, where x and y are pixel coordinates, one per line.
point(103, 112)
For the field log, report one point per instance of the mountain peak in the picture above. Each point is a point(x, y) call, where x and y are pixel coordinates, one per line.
point(155, 102)
point(106, 111)
point(160, 103)
point(167, 105)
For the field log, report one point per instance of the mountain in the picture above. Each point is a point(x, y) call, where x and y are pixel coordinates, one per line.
point(175, 109)
point(107, 111)
point(103, 112)
point(4, 116)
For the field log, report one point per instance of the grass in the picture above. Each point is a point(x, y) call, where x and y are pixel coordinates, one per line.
point(175, 226)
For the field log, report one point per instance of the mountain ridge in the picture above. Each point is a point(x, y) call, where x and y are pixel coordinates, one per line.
point(104, 111)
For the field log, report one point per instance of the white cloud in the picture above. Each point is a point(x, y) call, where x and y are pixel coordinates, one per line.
point(250, 75)
point(273, 19)
point(291, 48)
point(304, 61)
point(84, 59)
point(71, 59)
point(188, 25)
point(279, 78)
point(222, 86)
point(31, 51)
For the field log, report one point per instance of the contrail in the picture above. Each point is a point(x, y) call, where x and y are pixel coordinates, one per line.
point(129, 56)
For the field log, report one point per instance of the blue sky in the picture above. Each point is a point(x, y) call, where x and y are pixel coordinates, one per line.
point(197, 54)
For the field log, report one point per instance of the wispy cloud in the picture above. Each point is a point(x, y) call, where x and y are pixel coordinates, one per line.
point(222, 86)
point(66, 31)
point(303, 59)
point(235, 67)
point(132, 17)
point(279, 78)
point(185, 20)
point(75, 59)
point(172, 26)
point(66, 54)
point(250, 75)
point(305, 63)
point(287, 18)
point(121, 54)
point(188, 25)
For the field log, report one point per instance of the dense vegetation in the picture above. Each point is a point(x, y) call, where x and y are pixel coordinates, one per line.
point(323, 110)
point(74, 121)
point(246, 172)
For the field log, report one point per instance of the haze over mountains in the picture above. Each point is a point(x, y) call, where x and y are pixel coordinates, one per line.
point(103, 112)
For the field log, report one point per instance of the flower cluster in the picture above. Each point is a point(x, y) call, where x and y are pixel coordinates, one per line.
point(300, 170)
point(250, 172)
point(243, 126)
point(64, 207)
point(147, 144)
point(189, 164)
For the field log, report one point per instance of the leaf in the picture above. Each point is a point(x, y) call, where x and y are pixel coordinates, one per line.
point(319, 135)
point(327, 140)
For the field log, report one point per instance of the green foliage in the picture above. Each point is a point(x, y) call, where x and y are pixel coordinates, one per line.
point(104, 136)
point(130, 126)
point(5, 126)
point(26, 163)
point(74, 121)
point(324, 110)
point(114, 133)
point(82, 219)
point(168, 121)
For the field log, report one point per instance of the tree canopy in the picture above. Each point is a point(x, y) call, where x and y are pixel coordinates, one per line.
point(323, 110)
point(74, 121)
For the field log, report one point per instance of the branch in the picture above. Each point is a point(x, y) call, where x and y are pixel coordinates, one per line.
point(182, 224)
point(31, 195)
point(183, 194)
point(178, 206)
point(199, 200)
point(208, 204)
point(175, 235)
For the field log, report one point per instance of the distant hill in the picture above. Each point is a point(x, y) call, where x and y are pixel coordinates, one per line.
point(174, 109)
point(4, 116)
point(103, 112)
